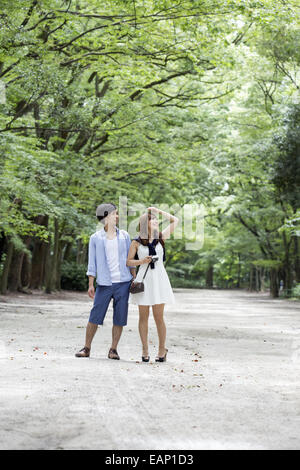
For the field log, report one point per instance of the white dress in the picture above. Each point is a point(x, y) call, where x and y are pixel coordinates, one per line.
point(158, 288)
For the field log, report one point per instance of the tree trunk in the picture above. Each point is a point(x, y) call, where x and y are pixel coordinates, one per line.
point(2, 244)
point(287, 266)
point(26, 271)
point(274, 284)
point(48, 276)
point(262, 279)
point(257, 279)
point(6, 267)
point(79, 251)
point(54, 262)
point(39, 257)
point(58, 265)
point(68, 252)
point(14, 275)
point(51, 260)
point(238, 284)
point(209, 277)
point(252, 279)
point(296, 258)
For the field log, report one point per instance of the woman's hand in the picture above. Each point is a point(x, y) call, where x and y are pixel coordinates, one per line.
point(146, 260)
point(153, 209)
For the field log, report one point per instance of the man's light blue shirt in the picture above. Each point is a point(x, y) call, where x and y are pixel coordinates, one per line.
point(98, 265)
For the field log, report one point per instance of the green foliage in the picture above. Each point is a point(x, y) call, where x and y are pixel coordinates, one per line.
point(161, 101)
point(73, 276)
point(296, 292)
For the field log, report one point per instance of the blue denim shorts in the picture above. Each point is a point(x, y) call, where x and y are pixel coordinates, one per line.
point(119, 292)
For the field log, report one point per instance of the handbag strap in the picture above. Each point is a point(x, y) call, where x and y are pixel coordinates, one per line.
point(146, 271)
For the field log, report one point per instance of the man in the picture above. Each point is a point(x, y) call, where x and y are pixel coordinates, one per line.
point(108, 250)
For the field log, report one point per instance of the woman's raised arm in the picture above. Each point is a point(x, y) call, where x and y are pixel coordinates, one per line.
point(166, 233)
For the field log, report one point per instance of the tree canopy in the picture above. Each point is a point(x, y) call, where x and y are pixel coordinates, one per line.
point(164, 102)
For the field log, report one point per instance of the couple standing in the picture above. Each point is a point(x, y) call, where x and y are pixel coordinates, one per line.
point(113, 259)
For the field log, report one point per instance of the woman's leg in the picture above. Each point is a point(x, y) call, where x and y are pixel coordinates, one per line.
point(158, 314)
point(143, 326)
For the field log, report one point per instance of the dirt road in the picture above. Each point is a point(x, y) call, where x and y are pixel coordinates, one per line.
point(231, 380)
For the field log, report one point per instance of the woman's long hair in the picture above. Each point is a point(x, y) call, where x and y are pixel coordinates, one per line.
point(144, 229)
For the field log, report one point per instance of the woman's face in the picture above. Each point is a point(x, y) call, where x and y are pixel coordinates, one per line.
point(153, 225)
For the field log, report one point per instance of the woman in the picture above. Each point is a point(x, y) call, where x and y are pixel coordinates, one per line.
point(158, 290)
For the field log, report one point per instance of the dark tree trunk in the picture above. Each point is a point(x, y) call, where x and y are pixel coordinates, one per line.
point(58, 265)
point(274, 284)
point(26, 271)
point(48, 276)
point(52, 260)
point(2, 244)
point(238, 284)
point(287, 265)
point(209, 275)
point(257, 279)
point(68, 252)
point(262, 279)
point(39, 257)
point(79, 251)
point(252, 279)
point(6, 267)
point(14, 275)
point(296, 258)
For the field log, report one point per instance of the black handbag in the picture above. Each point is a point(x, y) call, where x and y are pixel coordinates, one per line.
point(137, 287)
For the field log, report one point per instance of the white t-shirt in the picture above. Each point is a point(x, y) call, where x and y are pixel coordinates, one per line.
point(113, 259)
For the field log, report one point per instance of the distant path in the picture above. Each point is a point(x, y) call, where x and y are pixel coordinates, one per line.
point(231, 380)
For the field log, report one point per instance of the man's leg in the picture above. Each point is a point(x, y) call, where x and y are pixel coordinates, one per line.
point(120, 307)
point(116, 335)
point(101, 302)
point(91, 329)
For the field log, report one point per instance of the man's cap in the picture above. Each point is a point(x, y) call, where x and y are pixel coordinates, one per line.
point(104, 209)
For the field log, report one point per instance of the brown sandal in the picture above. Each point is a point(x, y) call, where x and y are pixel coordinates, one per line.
point(112, 354)
point(84, 352)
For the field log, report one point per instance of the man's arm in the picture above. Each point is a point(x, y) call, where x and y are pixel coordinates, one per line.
point(91, 290)
point(92, 268)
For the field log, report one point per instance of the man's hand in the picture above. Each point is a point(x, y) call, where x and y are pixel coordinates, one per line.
point(91, 292)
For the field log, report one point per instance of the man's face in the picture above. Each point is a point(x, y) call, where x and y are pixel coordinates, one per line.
point(113, 218)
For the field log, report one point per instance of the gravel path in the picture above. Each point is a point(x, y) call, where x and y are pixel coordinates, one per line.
point(231, 380)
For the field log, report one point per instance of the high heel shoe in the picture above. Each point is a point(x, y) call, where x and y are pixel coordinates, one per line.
point(162, 359)
point(145, 358)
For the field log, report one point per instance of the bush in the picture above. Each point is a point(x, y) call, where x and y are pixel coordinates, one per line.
point(73, 276)
point(188, 283)
point(296, 292)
